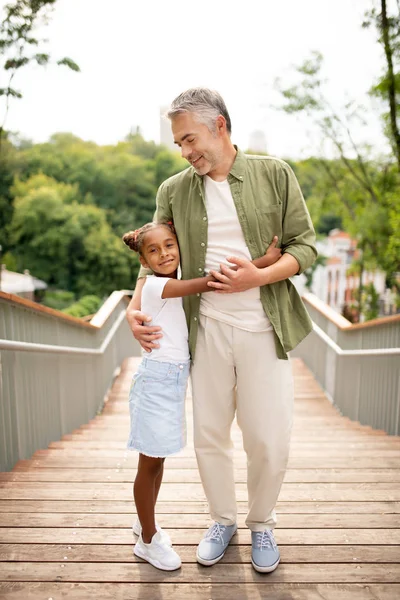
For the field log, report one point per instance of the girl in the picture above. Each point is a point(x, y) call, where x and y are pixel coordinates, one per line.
point(157, 396)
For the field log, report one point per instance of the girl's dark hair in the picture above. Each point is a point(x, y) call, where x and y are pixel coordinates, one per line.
point(134, 239)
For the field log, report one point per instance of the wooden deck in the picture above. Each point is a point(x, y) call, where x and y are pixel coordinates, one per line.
point(66, 515)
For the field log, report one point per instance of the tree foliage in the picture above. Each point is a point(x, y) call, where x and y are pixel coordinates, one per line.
point(354, 186)
point(20, 46)
point(386, 21)
point(69, 201)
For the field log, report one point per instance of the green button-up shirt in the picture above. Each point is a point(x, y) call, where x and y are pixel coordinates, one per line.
point(269, 202)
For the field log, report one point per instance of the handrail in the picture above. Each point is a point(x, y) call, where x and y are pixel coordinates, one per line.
point(340, 321)
point(55, 370)
point(362, 352)
point(30, 347)
point(357, 366)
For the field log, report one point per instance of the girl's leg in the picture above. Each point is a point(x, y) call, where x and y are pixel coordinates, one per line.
point(158, 482)
point(145, 492)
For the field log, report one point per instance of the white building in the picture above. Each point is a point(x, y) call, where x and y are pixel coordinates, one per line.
point(21, 284)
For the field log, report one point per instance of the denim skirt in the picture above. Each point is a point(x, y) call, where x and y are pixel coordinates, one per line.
point(157, 408)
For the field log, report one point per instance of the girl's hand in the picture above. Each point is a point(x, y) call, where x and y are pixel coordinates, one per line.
point(273, 254)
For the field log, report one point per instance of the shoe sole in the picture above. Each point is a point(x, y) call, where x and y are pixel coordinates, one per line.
point(265, 569)
point(155, 563)
point(210, 563)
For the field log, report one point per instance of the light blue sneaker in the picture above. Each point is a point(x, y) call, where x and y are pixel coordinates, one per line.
point(265, 555)
point(214, 544)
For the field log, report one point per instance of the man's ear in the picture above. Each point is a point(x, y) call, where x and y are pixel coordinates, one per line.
point(143, 262)
point(221, 124)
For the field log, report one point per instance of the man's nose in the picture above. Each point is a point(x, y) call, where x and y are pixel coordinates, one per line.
point(185, 152)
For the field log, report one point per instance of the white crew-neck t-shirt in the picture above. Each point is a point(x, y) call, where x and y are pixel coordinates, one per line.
point(168, 313)
point(225, 238)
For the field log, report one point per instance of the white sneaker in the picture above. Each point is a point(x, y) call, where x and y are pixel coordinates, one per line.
point(137, 530)
point(157, 553)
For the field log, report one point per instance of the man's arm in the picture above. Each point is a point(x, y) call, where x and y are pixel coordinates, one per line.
point(298, 244)
point(298, 235)
point(145, 334)
point(248, 275)
point(176, 288)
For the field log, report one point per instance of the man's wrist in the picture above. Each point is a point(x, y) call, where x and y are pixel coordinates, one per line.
point(265, 276)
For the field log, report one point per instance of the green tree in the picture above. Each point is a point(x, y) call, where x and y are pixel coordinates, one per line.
point(87, 305)
point(67, 243)
point(7, 169)
point(353, 186)
point(19, 45)
point(387, 23)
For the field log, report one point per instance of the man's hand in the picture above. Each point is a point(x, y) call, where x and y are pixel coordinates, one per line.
point(246, 276)
point(145, 334)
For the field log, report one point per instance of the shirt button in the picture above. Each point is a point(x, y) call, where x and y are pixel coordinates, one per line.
point(198, 295)
point(194, 318)
point(202, 244)
point(181, 366)
point(204, 218)
point(200, 269)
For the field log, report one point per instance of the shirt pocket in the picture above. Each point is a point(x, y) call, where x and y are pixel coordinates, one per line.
point(270, 223)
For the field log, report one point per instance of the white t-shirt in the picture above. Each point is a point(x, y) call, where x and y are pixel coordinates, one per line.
point(225, 238)
point(168, 313)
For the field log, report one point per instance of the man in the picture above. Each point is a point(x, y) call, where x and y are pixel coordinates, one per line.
point(226, 208)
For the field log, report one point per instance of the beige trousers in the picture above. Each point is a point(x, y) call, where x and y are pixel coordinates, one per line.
point(237, 371)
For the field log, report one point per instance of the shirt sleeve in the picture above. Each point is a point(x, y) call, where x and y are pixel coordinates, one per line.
point(298, 235)
point(153, 289)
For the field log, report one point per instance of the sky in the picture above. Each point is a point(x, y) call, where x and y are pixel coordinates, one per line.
point(136, 56)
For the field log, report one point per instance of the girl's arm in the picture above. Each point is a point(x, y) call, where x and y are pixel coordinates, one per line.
point(177, 288)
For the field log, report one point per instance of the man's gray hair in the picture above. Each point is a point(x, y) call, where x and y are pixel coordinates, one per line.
point(206, 104)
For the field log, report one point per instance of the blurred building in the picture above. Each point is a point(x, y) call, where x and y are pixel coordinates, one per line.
point(257, 141)
point(165, 130)
point(21, 284)
point(336, 283)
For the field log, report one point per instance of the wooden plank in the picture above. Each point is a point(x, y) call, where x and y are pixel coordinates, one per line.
point(194, 492)
point(234, 554)
point(124, 475)
point(375, 444)
point(195, 521)
point(195, 591)
point(190, 507)
point(62, 460)
point(190, 573)
point(83, 535)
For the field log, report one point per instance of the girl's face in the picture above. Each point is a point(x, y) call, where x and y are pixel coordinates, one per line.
point(160, 251)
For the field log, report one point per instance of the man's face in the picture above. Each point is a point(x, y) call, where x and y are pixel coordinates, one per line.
point(201, 147)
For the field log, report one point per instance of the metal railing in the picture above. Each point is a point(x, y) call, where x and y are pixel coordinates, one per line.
point(55, 370)
point(358, 366)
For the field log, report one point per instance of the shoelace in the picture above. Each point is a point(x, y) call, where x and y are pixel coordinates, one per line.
point(215, 533)
point(265, 540)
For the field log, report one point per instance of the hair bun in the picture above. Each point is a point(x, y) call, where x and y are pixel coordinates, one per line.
point(130, 239)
